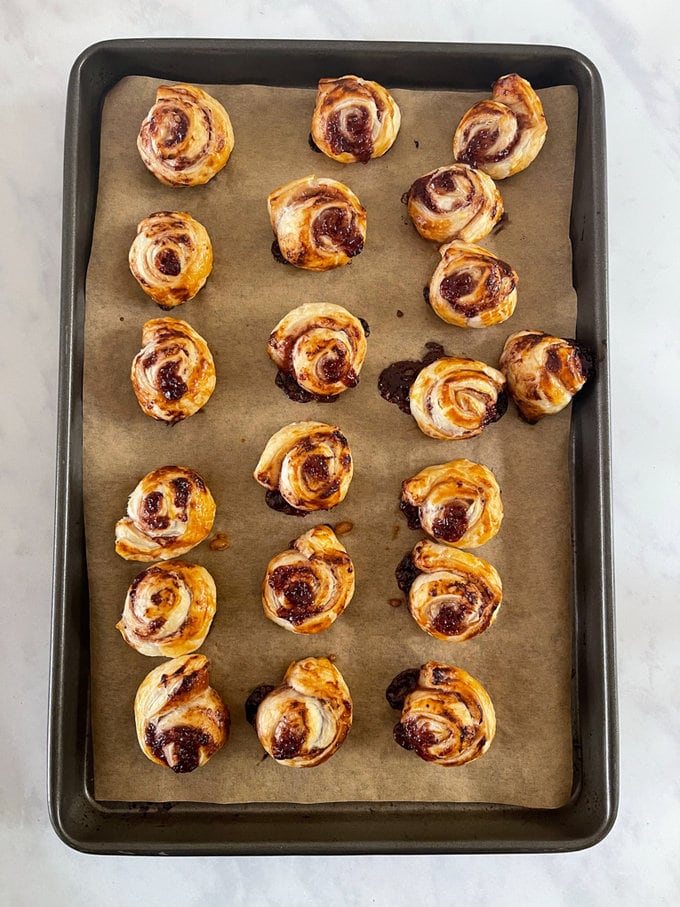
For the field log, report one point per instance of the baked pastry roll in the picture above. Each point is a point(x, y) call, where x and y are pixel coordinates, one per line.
point(173, 375)
point(455, 595)
point(308, 586)
point(305, 720)
point(457, 503)
point(171, 257)
point(321, 346)
point(170, 511)
point(453, 399)
point(543, 372)
point(308, 463)
point(447, 716)
point(471, 287)
point(354, 119)
point(168, 609)
point(319, 223)
point(186, 137)
point(181, 720)
point(503, 135)
point(454, 202)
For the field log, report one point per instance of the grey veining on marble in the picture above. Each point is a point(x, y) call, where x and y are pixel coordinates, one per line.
point(635, 47)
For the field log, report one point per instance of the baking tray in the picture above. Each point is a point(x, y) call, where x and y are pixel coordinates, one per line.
point(350, 828)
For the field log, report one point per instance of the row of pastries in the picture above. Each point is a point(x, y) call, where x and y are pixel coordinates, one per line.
point(446, 715)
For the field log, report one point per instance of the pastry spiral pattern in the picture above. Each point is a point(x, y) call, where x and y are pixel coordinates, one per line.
point(173, 375)
point(171, 257)
point(471, 287)
point(319, 223)
point(454, 202)
point(304, 721)
point(457, 503)
point(504, 134)
point(456, 595)
point(447, 717)
point(168, 609)
point(543, 372)
point(170, 511)
point(308, 463)
point(181, 720)
point(321, 346)
point(354, 119)
point(308, 586)
point(186, 137)
point(453, 399)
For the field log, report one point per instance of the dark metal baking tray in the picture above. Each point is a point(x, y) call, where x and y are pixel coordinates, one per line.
point(350, 828)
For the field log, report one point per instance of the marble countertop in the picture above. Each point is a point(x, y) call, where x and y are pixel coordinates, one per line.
point(632, 45)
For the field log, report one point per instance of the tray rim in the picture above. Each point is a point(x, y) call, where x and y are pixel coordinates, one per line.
point(92, 826)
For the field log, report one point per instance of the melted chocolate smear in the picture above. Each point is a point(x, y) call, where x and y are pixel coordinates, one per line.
point(366, 327)
point(297, 393)
point(170, 382)
point(394, 382)
point(278, 254)
point(255, 699)
point(313, 145)
point(412, 514)
point(399, 688)
point(186, 741)
point(406, 572)
point(276, 501)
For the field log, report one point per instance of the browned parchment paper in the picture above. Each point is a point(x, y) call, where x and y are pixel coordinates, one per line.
point(524, 660)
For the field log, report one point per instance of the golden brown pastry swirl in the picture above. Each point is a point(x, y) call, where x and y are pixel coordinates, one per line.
point(321, 346)
point(456, 595)
point(319, 223)
point(447, 717)
point(457, 503)
point(543, 372)
point(303, 722)
point(472, 287)
point(354, 119)
point(170, 511)
point(308, 586)
point(169, 609)
point(454, 202)
point(453, 399)
point(171, 257)
point(502, 136)
point(173, 375)
point(186, 137)
point(308, 463)
point(181, 720)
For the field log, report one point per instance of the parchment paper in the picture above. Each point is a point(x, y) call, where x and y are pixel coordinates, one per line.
point(524, 660)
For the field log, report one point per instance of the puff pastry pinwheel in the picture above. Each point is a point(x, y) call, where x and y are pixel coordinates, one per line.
point(354, 119)
point(454, 202)
point(504, 134)
point(186, 137)
point(543, 372)
point(456, 503)
point(303, 722)
point(171, 257)
point(169, 609)
point(456, 595)
point(453, 399)
point(170, 511)
point(308, 586)
point(321, 346)
point(309, 464)
point(447, 716)
point(173, 375)
point(181, 720)
point(319, 223)
point(471, 287)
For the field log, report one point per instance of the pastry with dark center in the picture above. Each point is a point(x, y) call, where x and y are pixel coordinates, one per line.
point(181, 720)
point(354, 119)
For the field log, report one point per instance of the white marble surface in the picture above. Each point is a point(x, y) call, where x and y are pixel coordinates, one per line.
point(634, 46)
